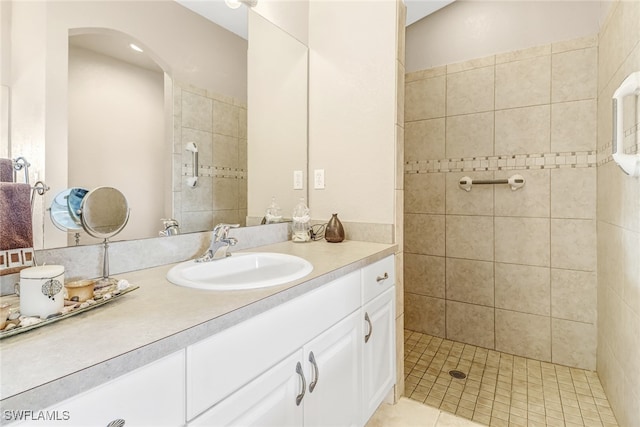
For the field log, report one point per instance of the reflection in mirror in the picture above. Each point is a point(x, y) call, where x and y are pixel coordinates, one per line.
point(65, 211)
point(104, 212)
point(203, 99)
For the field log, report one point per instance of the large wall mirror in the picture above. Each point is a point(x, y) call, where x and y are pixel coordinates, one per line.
point(123, 119)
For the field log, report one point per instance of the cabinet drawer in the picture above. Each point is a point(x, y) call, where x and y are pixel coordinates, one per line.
point(152, 395)
point(378, 277)
point(221, 364)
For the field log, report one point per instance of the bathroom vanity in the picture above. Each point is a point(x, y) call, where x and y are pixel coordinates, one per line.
point(317, 351)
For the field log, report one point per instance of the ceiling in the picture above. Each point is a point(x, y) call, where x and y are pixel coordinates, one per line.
point(235, 20)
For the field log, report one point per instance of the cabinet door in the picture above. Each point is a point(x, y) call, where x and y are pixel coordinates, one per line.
point(333, 375)
point(272, 399)
point(152, 395)
point(379, 354)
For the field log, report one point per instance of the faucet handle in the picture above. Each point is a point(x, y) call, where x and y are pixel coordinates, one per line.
point(220, 231)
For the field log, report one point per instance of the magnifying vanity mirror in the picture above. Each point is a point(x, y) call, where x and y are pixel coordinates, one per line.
point(102, 213)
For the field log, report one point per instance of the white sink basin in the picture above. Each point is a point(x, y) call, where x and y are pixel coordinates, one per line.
point(249, 270)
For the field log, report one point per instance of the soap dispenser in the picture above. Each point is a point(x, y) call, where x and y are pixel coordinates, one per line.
point(301, 229)
point(273, 213)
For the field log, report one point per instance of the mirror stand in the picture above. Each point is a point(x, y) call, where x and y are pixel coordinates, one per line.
point(105, 280)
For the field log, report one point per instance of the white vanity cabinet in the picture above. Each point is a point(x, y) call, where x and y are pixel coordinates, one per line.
point(323, 322)
point(318, 385)
point(379, 355)
point(152, 395)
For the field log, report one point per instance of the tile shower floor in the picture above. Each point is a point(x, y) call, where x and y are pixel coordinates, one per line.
point(501, 389)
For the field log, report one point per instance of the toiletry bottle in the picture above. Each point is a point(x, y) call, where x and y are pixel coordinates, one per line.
point(273, 213)
point(300, 229)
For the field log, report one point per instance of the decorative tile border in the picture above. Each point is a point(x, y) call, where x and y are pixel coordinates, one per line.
point(574, 159)
point(215, 171)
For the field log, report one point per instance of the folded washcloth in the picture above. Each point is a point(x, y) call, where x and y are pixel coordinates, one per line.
point(6, 170)
point(16, 230)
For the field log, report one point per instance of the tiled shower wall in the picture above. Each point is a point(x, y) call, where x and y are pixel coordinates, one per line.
point(618, 208)
point(218, 126)
point(508, 270)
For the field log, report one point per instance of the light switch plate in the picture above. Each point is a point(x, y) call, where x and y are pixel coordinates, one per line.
point(297, 180)
point(318, 179)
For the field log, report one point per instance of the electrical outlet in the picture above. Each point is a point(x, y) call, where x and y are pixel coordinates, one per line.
point(297, 180)
point(318, 179)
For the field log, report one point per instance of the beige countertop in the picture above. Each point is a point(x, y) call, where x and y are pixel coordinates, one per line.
point(46, 365)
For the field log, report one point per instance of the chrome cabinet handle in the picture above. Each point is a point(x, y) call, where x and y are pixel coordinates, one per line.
point(381, 278)
point(304, 384)
point(368, 320)
point(312, 384)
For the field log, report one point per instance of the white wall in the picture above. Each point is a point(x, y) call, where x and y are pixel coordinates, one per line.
point(277, 118)
point(116, 133)
point(474, 29)
point(352, 113)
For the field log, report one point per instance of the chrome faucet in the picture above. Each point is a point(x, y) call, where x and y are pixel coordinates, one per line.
point(220, 243)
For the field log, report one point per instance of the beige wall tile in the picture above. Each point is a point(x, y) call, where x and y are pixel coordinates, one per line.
point(523, 334)
point(424, 275)
point(470, 281)
point(400, 283)
point(400, 92)
point(525, 130)
point(469, 237)
point(225, 193)
point(574, 75)
point(479, 201)
point(574, 295)
point(398, 226)
point(631, 286)
point(523, 83)
point(522, 241)
point(523, 288)
point(573, 193)
point(471, 64)
point(573, 244)
point(574, 44)
point(225, 151)
point(426, 74)
point(532, 200)
point(399, 184)
point(518, 55)
point(424, 314)
point(199, 198)
point(574, 344)
point(425, 193)
point(469, 135)
point(424, 234)
point(469, 323)
point(226, 118)
point(424, 139)
point(470, 91)
point(196, 221)
point(197, 111)
point(573, 126)
point(425, 99)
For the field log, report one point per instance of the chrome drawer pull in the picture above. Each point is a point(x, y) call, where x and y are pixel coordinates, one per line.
point(381, 278)
point(304, 384)
point(366, 318)
point(312, 384)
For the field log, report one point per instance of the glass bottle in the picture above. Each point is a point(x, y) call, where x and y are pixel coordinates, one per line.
point(273, 213)
point(301, 227)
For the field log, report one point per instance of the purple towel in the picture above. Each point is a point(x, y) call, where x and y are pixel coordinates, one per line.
point(6, 170)
point(16, 230)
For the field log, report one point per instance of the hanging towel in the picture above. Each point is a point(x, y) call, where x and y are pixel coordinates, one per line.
point(16, 232)
point(6, 170)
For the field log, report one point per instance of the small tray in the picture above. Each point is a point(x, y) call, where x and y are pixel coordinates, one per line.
point(14, 301)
